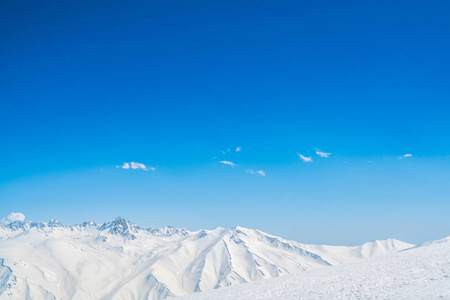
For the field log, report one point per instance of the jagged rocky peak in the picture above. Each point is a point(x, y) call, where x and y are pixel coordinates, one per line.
point(16, 225)
point(121, 227)
point(20, 224)
point(89, 224)
point(55, 223)
point(17, 222)
point(168, 231)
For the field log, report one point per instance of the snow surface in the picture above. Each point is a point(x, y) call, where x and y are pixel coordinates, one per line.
point(121, 260)
point(422, 272)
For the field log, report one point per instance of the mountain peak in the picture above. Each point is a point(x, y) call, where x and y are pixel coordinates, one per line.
point(168, 231)
point(119, 219)
point(122, 227)
point(89, 224)
point(55, 223)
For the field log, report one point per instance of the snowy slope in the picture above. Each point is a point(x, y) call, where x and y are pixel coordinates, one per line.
point(422, 272)
point(120, 260)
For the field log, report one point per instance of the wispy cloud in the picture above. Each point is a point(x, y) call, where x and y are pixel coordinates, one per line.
point(260, 172)
point(135, 165)
point(322, 154)
point(12, 217)
point(225, 162)
point(405, 156)
point(305, 158)
point(237, 149)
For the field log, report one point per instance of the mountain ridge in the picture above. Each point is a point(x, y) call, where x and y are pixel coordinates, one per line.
point(118, 226)
point(121, 260)
point(419, 272)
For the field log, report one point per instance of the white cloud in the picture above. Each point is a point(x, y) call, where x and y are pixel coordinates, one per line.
point(225, 162)
point(12, 218)
point(405, 156)
point(305, 158)
point(135, 165)
point(238, 149)
point(260, 172)
point(322, 154)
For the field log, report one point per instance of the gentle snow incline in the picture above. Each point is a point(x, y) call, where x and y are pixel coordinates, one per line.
point(422, 272)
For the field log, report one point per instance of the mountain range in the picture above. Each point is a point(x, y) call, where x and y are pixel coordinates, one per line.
point(121, 260)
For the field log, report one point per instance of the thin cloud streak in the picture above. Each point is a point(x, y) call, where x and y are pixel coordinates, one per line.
point(322, 154)
point(135, 165)
point(305, 158)
point(260, 172)
point(229, 163)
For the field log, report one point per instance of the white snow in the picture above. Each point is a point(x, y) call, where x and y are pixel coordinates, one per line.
point(422, 272)
point(120, 260)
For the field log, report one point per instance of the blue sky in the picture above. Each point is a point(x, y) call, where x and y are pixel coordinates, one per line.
point(86, 87)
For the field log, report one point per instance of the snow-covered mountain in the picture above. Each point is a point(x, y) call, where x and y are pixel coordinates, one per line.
point(120, 260)
point(421, 272)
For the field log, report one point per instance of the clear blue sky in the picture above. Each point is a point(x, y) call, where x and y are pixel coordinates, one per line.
point(86, 86)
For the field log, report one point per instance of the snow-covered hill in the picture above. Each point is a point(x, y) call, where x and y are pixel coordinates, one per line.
point(421, 272)
point(120, 260)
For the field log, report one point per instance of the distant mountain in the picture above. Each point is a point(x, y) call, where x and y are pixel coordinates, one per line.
point(121, 227)
point(121, 260)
